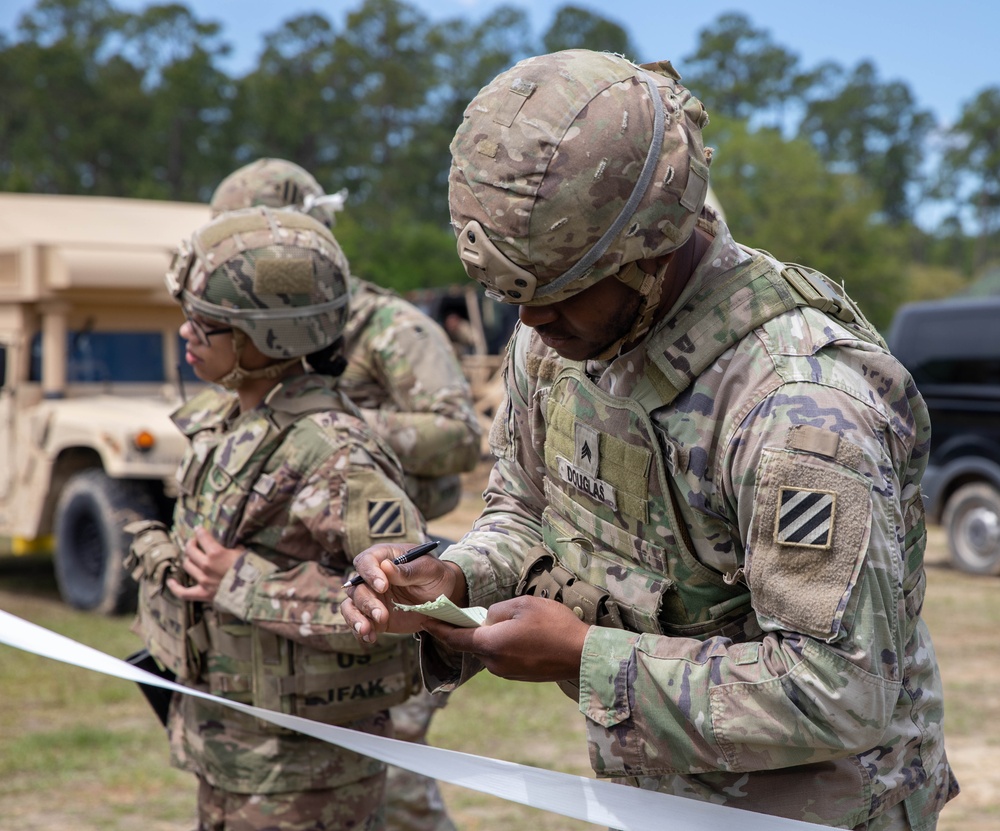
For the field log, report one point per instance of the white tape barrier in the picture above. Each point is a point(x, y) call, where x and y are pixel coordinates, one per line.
point(590, 800)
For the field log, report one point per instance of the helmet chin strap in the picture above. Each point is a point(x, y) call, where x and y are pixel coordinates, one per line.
point(650, 288)
point(238, 376)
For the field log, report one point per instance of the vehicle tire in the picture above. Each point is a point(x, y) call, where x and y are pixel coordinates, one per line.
point(972, 520)
point(91, 543)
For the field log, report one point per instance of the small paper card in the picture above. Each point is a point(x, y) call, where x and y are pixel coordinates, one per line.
point(444, 609)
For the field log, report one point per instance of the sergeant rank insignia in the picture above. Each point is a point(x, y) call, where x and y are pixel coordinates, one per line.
point(805, 517)
point(385, 518)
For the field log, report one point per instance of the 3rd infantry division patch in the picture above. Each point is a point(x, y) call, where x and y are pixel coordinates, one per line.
point(385, 518)
point(805, 517)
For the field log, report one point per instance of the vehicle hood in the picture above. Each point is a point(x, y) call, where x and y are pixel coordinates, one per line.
point(108, 424)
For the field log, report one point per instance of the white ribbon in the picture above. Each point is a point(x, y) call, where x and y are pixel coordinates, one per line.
point(590, 800)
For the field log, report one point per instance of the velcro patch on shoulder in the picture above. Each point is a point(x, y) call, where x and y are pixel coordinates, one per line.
point(807, 542)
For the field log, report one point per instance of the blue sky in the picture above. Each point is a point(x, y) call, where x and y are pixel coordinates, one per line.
point(946, 52)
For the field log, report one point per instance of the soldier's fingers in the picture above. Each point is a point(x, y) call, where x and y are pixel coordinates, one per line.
point(191, 593)
point(360, 625)
point(195, 570)
point(206, 540)
point(368, 564)
point(194, 557)
point(367, 621)
point(370, 605)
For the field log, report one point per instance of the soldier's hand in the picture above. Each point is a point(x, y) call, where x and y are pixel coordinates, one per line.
point(206, 561)
point(370, 608)
point(523, 639)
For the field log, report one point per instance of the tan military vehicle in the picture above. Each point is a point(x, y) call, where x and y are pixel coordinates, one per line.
point(89, 371)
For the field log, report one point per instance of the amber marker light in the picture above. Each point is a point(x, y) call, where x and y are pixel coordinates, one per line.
point(144, 441)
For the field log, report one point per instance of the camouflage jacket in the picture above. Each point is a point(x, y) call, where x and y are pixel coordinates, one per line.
point(323, 488)
point(832, 681)
point(403, 374)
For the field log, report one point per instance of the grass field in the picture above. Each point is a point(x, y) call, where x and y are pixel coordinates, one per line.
point(82, 751)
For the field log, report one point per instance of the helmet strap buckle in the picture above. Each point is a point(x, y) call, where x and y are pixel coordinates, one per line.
point(486, 264)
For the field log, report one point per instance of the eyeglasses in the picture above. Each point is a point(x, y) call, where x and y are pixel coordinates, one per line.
point(202, 333)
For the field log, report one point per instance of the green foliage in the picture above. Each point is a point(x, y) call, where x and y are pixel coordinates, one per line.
point(971, 166)
point(576, 28)
point(875, 130)
point(109, 102)
point(987, 284)
point(779, 196)
point(933, 282)
point(739, 72)
point(402, 252)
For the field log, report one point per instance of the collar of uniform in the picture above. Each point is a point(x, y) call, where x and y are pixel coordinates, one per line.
point(208, 409)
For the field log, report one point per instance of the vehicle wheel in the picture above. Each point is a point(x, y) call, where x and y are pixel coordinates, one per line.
point(972, 520)
point(91, 543)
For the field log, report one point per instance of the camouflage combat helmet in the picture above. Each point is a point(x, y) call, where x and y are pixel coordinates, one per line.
point(278, 278)
point(276, 183)
point(571, 167)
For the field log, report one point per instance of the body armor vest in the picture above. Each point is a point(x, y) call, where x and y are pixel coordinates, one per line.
point(239, 660)
point(612, 519)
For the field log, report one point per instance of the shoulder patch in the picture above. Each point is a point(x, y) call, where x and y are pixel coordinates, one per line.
point(807, 541)
point(805, 517)
point(386, 518)
point(376, 510)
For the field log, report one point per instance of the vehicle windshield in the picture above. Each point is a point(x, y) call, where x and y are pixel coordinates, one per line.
point(106, 357)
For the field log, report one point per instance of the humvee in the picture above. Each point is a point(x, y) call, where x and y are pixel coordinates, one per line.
point(89, 371)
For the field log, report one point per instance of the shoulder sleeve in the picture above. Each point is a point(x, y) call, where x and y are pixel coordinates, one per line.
point(429, 419)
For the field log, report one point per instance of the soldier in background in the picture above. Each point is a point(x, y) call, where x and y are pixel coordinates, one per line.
point(401, 370)
point(283, 480)
point(402, 373)
point(705, 519)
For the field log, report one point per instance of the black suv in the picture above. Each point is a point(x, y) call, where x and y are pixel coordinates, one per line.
point(952, 348)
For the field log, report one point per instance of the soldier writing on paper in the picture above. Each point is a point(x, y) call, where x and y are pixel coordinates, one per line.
point(705, 519)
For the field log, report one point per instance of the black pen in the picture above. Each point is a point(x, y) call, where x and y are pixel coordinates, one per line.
point(409, 556)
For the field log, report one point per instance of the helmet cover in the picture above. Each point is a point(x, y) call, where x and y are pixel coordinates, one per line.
point(276, 183)
point(278, 276)
point(566, 168)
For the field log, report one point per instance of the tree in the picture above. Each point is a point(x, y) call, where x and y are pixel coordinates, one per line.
point(577, 28)
point(188, 137)
point(382, 73)
point(970, 168)
point(287, 107)
point(66, 96)
point(779, 196)
point(405, 253)
point(876, 131)
point(85, 24)
point(467, 56)
point(739, 72)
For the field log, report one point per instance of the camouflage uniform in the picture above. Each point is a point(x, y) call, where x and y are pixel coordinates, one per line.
point(302, 484)
point(401, 369)
point(310, 508)
point(741, 489)
point(402, 373)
